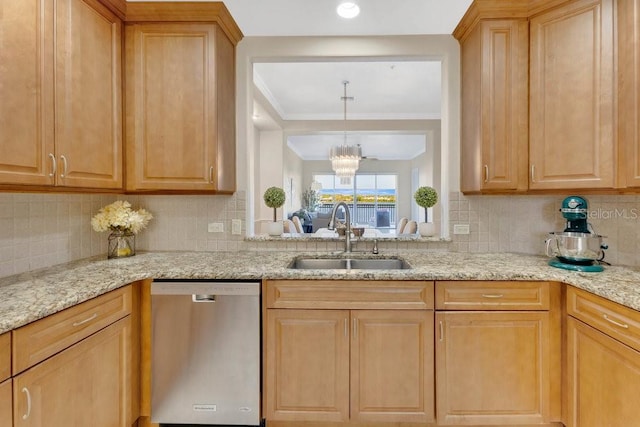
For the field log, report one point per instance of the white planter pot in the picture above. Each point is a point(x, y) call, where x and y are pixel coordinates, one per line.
point(427, 229)
point(274, 228)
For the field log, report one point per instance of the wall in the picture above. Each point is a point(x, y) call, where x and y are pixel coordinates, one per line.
point(521, 223)
point(41, 230)
point(271, 153)
point(293, 180)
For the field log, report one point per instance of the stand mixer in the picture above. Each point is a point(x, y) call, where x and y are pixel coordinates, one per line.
point(578, 247)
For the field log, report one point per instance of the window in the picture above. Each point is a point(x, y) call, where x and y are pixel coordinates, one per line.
point(371, 198)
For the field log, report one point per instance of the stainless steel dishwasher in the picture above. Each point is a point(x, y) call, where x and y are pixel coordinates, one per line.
point(205, 353)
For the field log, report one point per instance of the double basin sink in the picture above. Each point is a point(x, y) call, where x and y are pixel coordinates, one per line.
point(305, 263)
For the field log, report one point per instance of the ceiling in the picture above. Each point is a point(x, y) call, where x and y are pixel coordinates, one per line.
point(381, 90)
point(319, 18)
point(391, 89)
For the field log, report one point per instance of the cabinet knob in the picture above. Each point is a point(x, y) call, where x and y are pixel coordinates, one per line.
point(486, 173)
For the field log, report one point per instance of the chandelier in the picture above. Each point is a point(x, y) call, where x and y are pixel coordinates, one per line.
point(345, 159)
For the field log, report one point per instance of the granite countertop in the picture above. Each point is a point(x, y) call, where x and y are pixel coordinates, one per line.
point(31, 296)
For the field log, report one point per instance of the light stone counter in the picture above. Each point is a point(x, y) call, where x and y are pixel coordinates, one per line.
point(31, 296)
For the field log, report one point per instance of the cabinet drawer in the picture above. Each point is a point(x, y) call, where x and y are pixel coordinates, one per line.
point(622, 323)
point(5, 356)
point(492, 295)
point(41, 339)
point(349, 294)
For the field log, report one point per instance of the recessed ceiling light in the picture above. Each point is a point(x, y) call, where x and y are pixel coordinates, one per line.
point(348, 10)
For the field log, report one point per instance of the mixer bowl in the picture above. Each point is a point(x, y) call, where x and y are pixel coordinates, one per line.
point(575, 247)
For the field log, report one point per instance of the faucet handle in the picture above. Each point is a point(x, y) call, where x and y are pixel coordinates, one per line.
point(375, 246)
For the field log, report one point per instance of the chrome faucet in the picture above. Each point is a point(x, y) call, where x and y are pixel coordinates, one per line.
point(332, 222)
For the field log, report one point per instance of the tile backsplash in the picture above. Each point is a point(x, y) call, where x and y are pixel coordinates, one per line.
point(521, 223)
point(180, 222)
point(41, 230)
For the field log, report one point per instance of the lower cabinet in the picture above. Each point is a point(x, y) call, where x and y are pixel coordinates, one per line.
point(498, 353)
point(392, 366)
point(604, 379)
point(87, 384)
point(357, 365)
point(352, 352)
point(6, 407)
point(307, 365)
point(603, 362)
point(494, 368)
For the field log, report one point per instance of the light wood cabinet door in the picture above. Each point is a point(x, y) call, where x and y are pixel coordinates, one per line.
point(181, 107)
point(95, 372)
point(572, 92)
point(629, 92)
point(26, 92)
point(88, 87)
point(495, 368)
point(64, 130)
point(6, 404)
point(307, 365)
point(5, 356)
point(494, 133)
point(603, 379)
point(392, 375)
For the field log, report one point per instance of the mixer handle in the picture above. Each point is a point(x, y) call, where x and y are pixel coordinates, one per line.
point(548, 247)
point(602, 248)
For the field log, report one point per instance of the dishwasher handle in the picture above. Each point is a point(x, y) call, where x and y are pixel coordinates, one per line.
point(203, 298)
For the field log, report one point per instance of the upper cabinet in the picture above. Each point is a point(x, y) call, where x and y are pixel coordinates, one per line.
point(180, 97)
point(495, 58)
point(572, 134)
point(570, 137)
point(60, 86)
point(629, 92)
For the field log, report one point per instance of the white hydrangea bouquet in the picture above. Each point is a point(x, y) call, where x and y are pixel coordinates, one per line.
point(124, 223)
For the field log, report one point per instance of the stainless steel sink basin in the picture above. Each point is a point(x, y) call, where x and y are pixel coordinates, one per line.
point(349, 264)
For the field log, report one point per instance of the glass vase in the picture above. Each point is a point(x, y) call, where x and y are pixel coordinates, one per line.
point(122, 244)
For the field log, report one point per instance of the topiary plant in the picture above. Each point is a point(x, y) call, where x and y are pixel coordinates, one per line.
point(426, 197)
point(274, 197)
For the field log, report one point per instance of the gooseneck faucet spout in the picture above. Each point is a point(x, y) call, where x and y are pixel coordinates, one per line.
point(332, 222)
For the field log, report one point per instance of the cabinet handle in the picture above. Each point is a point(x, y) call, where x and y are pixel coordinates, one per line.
point(211, 174)
point(65, 165)
point(622, 325)
point(54, 165)
point(486, 173)
point(89, 319)
point(26, 391)
point(492, 295)
point(441, 331)
point(346, 327)
point(533, 173)
point(355, 327)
